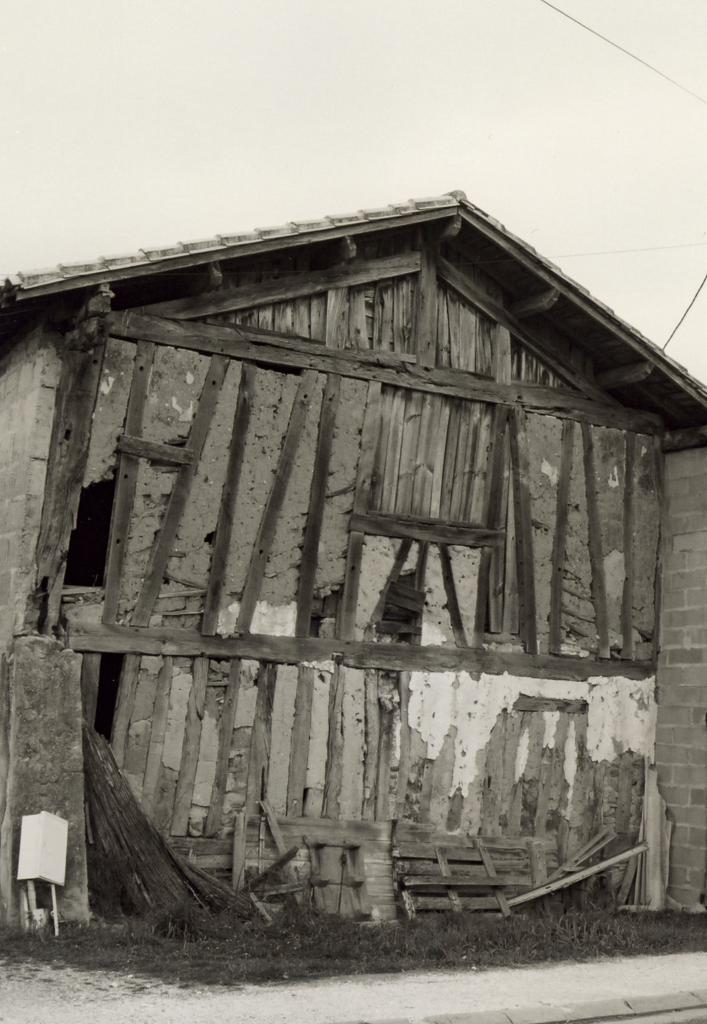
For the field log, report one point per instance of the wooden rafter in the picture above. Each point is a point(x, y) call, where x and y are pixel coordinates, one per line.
point(540, 302)
point(287, 288)
point(619, 376)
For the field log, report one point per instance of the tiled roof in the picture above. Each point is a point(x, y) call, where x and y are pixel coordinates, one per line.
point(25, 281)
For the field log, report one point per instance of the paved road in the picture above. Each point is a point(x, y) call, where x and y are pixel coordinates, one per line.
point(34, 994)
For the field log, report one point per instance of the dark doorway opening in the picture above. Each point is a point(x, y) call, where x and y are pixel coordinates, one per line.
point(88, 546)
point(108, 686)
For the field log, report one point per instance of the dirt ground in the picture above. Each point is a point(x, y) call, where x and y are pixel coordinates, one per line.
point(40, 994)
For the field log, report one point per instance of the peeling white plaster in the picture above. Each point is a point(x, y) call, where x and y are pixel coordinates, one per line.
point(644, 450)
point(189, 377)
point(570, 761)
point(551, 720)
point(613, 480)
point(621, 714)
point(268, 619)
point(550, 472)
point(185, 415)
point(432, 635)
point(107, 384)
point(522, 753)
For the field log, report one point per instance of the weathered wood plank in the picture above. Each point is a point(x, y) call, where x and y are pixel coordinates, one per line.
point(680, 440)
point(346, 618)
point(127, 685)
point(596, 557)
point(190, 748)
point(450, 590)
point(541, 302)
point(142, 448)
point(461, 282)
point(335, 746)
point(260, 741)
point(68, 455)
point(90, 674)
point(493, 517)
point(287, 288)
point(162, 550)
point(153, 767)
point(299, 745)
point(126, 481)
point(629, 529)
point(225, 737)
point(425, 322)
point(242, 342)
point(619, 376)
point(433, 531)
point(559, 540)
point(315, 512)
point(102, 638)
point(524, 530)
point(273, 505)
point(224, 523)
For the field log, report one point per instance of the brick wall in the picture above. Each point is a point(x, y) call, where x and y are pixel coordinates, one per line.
point(681, 747)
point(29, 374)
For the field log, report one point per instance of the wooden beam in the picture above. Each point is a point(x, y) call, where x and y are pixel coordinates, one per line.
point(494, 514)
point(541, 302)
point(227, 506)
point(632, 373)
point(559, 537)
point(268, 522)
point(223, 752)
point(346, 618)
point(299, 742)
point(162, 550)
point(167, 454)
point(82, 360)
point(190, 749)
point(425, 322)
point(524, 530)
point(528, 702)
point(433, 531)
point(240, 342)
point(577, 876)
point(315, 512)
point(450, 590)
point(158, 731)
point(629, 525)
point(596, 557)
point(284, 289)
point(102, 638)
point(126, 481)
point(680, 440)
point(470, 291)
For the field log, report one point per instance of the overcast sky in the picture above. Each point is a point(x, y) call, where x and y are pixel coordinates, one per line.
point(131, 124)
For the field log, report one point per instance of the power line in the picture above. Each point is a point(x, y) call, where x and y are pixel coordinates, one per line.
point(616, 252)
point(624, 50)
point(690, 304)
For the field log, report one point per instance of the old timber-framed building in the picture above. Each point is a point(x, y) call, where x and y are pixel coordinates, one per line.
point(379, 516)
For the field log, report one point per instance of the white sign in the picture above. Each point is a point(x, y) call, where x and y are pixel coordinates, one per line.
point(43, 841)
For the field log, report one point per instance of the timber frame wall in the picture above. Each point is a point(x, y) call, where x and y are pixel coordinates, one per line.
point(495, 510)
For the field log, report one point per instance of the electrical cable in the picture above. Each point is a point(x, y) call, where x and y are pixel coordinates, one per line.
point(624, 50)
point(690, 304)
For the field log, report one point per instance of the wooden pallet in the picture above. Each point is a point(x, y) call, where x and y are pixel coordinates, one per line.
point(439, 872)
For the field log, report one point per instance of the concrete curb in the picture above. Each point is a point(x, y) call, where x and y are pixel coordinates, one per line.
point(680, 1004)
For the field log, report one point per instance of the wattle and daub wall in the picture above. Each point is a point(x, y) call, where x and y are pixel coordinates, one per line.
point(403, 570)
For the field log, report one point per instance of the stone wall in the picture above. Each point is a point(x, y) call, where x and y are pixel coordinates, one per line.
point(681, 749)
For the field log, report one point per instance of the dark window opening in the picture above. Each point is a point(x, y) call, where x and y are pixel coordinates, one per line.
point(88, 546)
point(108, 686)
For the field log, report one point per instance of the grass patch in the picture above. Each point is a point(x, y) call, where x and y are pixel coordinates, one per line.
point(193, 948)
